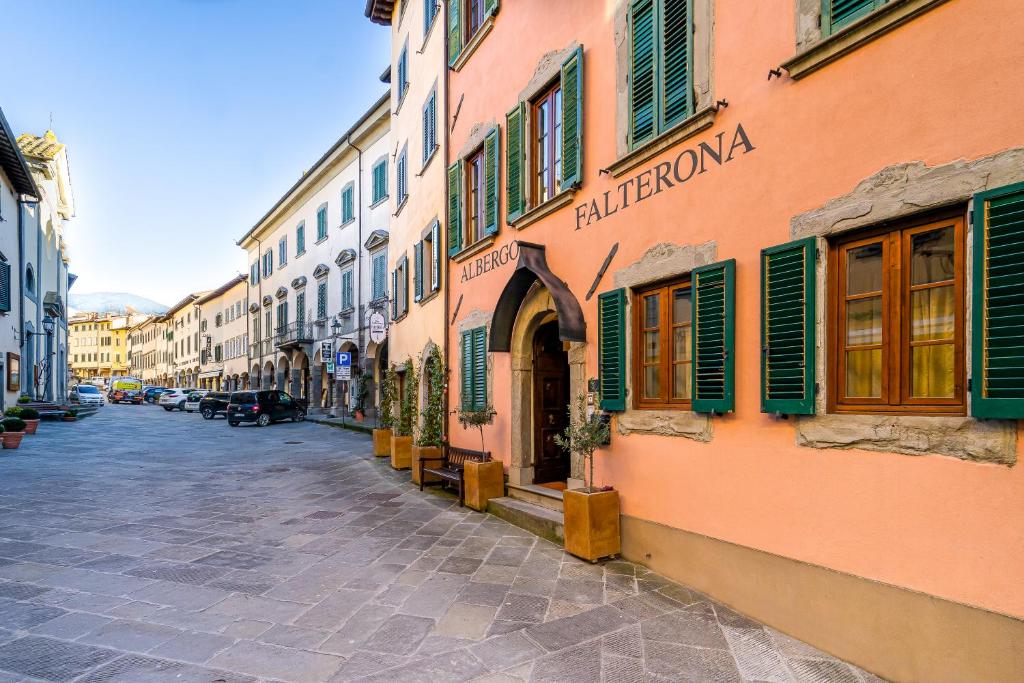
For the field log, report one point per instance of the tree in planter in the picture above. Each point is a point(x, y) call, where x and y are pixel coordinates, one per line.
point(432, 432)
point(477, 418)
point(362, 392)
point(386, 410)
point(407, 402)
point(584, 435)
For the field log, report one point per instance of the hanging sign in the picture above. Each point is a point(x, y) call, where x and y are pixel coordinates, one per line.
point(326, 351)
point(378, 328)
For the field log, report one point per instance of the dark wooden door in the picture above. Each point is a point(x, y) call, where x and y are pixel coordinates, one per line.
point(550, 405)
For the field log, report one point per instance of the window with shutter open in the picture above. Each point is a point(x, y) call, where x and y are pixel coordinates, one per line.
point(454, 208)
point(515, 162)
point(572, 119)
point(788, 328)
point(491, 177)
point(660, 91)
point(611, 347)
point(713, 334)
point(418, 270)
point(997, 360)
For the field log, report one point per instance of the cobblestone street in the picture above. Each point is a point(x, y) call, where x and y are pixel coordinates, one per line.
point(138, 545)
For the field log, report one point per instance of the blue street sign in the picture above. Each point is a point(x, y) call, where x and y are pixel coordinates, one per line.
point(344, 358)
point(343, 365)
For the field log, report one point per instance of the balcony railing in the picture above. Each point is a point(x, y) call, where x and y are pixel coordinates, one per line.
point(294, 334)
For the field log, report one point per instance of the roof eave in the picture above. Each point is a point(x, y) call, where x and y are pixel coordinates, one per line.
point(14, 161)
point(379, 11)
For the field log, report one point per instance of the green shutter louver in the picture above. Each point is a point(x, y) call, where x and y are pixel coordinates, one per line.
point(714, 331)
point(5, 286)
point(490, 8)
point(788, 328)
point(997, 360)
point(454, 208)
point(515, 162)
point(611, 349)
point(454, 30)
point(675, 66)
point(491, 185)
point(435, 256)
point(418, 267)
point(837, 13)
point(466, 389)
point(394, 294)
point(643, 81)
point(479, 368)
point(572, 119)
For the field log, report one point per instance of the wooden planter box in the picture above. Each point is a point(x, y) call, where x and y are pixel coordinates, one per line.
point(424, 452)
point(483, 481)
point(382, 442)
point(401, 452)
point(591, 523)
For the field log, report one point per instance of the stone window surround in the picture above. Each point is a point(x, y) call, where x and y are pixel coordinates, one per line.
point(815, 49)
point(661, 262)
point(702, 77)
point(899, 192)
point(473, 144)
point(472, 320)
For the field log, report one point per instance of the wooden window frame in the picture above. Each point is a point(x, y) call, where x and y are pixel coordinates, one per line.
point(895, 396)
point(665, 329)
point(553, 143)
point(475, 195)
point(468, 30)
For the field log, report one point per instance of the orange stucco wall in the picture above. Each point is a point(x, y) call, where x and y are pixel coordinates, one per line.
point(943, 87)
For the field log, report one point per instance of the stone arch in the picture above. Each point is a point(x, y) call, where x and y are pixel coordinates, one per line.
point(284, 367)
point(267, 381)
point(538, 307)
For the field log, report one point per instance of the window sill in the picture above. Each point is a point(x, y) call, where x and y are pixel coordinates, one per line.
point(430, 297)
point(852, 37)
point(321, 240)
point(379, 202)
point(469, 48)
point(400, 318)
point(474, 249)
point(546, 209)
point(683, 130)
point(348, 222)
point(401, 205)
point(300, 253)
point(426, 162)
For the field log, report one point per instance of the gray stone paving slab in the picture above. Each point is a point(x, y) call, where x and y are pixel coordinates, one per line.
point(245, 557)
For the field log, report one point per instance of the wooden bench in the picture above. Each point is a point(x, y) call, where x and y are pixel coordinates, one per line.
point(451, 467)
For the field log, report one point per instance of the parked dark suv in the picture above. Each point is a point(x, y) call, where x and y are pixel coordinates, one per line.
point(264, 407)
point(213, 404)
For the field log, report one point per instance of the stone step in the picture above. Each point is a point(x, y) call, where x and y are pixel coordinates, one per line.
point(538, 495)
point(542, 521)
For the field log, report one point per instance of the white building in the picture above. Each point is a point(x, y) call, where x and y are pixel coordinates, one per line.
point(16, 185)
point(318, 265)
point(184, 325)
point(224, 337)
point(44, 272)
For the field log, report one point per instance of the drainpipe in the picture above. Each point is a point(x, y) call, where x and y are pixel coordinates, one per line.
point(443, 251)
point(360, 345)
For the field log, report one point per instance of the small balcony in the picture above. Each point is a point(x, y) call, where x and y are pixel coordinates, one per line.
point(294, 335)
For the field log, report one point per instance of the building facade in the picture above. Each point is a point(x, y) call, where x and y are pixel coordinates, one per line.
point(224, 341)
point(17, 189)
point(184, 325)
point(317, 267)
point(762, 239)
point(44, 276)
point(99, 346)
point(144, 337)
point(415, 260)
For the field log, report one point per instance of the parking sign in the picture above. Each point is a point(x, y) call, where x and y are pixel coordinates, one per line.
point(343, 365)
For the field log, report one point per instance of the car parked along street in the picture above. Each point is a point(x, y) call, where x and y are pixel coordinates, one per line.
point(174, 398)
point(214, 403)
point(264, 407)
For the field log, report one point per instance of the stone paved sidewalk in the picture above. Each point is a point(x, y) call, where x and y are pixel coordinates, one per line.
point(145, 546)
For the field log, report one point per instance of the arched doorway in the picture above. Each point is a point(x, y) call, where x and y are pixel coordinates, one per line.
point(268, 376)
point(550, 404)
point(284, 370)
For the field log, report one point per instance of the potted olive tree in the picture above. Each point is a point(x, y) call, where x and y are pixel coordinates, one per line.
point(483, 479)
point(401, 439)
point(591, 514)
point(431, 434)
point(14, 432)
point(385, 415)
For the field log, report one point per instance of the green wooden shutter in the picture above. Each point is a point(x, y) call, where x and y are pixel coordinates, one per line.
point(675, 57)
point(837, 13)
point(418, 267)
point(997, 361)
point(714, 332)
point(490, 8)
point(454, 208)
point(788, 328)
point(515, 162)
point(467, 370)
point(5, 286)
point(572, 119)
point(479, 368)
point(394, 293)
point(611, 348)
point(435, 256)
point(491, 186)
point(643, 44)
point(454, 30)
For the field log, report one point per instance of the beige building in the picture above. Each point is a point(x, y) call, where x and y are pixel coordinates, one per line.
point(416, 248)
point(223, 337)
point(99, 345)
point(184, 326)
point(145, 345)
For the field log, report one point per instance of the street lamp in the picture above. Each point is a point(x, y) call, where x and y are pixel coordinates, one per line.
point(332, 382)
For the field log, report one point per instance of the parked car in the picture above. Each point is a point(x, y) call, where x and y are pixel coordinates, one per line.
point(86, 395)
point(213, 404)
point(193, 398)
point(264, 407)
point(152, 394)
point(174, 398)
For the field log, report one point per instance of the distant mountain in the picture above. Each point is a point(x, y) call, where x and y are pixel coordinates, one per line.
point(113, 302)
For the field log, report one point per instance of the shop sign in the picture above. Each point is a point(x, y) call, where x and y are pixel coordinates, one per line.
point(665, 176)
point(326, 351)
point(378, 328)
point(330, 367)
point(492, 260)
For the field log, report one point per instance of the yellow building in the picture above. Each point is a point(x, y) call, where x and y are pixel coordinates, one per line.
point(99, 345)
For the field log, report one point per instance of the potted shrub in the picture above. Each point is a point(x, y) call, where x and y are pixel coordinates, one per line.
point(362, 391)
point(24, 399)
point(401, 439)
point(29, 415)
point(591, 514)
point(431, 437)
point(70, 415)
point(483, 480)
point(385, 416)
point(14, 432)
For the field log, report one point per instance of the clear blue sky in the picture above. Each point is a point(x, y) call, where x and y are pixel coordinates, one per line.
point(185, 120)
